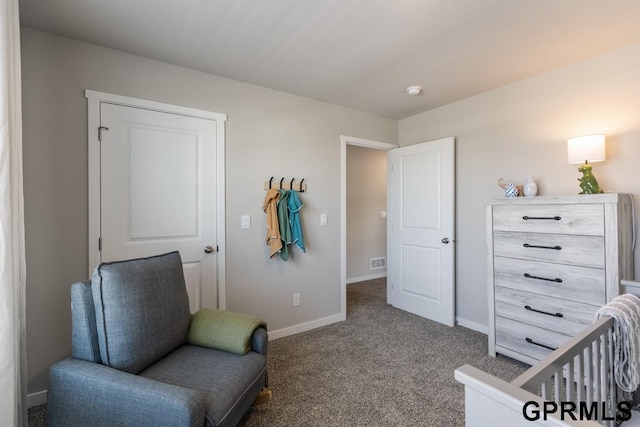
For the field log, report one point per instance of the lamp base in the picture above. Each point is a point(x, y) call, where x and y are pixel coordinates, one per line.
point(588, 182)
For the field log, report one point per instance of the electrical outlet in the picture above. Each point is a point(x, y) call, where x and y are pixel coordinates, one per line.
point(296, 300)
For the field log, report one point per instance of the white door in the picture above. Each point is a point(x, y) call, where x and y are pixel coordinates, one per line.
point(158, 192)
point(421, 229)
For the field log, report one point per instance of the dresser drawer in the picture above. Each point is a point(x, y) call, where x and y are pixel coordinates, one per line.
point(587, 251)
point(567, 282)
point(583, 219)
point(527, 339)
point(565, 317)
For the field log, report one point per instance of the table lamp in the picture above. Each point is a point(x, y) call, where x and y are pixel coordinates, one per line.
point(585, 149)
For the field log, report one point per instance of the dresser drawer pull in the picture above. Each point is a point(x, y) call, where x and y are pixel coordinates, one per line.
point(528, 276)
point(530, 341)
point(552, 218)
point(557, 248)
point(528, 307)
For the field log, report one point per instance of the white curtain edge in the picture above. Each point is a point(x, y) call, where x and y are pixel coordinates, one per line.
point(14, 277)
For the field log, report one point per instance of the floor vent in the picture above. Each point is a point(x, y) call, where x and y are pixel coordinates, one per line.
point(378, 263)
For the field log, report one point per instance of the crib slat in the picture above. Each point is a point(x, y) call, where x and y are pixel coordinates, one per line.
point(570, 383)
point(580, 378)
point(595, 351)
point(588, 368)
point(613, 395)
point(557, 386)
point(604, 378)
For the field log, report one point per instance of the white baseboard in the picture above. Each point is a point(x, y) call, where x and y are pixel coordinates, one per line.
point(472, 325)
point(36, 399)
point(363, 278)
point(303, 327)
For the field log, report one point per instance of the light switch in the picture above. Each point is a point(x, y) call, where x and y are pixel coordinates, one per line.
point(246, 222)
point(323, 219)
point(383, 215)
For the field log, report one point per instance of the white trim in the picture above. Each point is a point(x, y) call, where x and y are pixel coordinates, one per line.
point(221, 211)
point(469, 324)
point(93, 110)
point(367, 143)
point(363, 278)
point(303, 327)
point(153, 105)
point(37, 399)
point(361, 142)
point(94, 99)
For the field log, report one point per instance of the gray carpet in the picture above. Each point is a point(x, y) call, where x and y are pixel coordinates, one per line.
point(382, 367)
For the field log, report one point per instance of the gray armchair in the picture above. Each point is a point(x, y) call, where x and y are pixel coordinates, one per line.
point(131, 363)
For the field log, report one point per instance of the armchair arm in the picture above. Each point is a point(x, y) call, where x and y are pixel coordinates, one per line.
point(83, 393)
point(260, 341)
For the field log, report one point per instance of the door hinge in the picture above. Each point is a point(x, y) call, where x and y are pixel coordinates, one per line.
point(100, 129)
point(99, 244)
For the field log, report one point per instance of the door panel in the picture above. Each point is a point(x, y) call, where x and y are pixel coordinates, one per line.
point(157, 184)
point(421, 229)
point(164, 175)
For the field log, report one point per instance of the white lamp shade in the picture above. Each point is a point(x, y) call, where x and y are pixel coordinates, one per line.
point(589, 148)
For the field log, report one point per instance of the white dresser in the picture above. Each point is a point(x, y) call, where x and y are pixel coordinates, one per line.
point(553, 261)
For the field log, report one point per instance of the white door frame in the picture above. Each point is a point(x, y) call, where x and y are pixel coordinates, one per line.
point(361, 142)
point(94, 99)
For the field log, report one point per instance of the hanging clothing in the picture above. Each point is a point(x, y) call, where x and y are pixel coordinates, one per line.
point(283, 220)
point(295, 204)
point(273, 228)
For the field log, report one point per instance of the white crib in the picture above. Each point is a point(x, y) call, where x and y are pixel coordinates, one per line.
point(577, 376)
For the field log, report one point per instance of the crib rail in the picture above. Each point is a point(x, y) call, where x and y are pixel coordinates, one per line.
point(578, 371)
point(577, 376)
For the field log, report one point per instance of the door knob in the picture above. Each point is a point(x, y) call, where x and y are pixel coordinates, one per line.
point(208, 249)
point(445, 241)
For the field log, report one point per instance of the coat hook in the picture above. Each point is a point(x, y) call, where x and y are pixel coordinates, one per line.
point(281, 182)
point(301, 189)
point(291, 184)
point(270, 183)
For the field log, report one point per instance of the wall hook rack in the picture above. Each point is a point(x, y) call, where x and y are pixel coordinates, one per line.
point(282, 185)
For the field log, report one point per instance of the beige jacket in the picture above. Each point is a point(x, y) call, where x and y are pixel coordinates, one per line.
point(273, 230)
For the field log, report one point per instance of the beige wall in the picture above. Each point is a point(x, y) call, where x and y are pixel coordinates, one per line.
point(517, 131)
point(366, 199)
point(521, 130)
point(269, 133)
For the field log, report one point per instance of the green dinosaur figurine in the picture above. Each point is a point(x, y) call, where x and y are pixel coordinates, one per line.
point(588, 182)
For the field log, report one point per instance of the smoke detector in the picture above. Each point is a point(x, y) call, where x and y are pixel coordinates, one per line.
point(414, 90)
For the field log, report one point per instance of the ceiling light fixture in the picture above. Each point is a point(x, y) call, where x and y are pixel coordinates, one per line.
point(414, 90)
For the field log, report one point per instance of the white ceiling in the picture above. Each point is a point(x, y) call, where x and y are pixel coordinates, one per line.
point(360, 54)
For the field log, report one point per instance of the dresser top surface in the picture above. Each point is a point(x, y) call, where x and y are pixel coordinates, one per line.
point(575, 198)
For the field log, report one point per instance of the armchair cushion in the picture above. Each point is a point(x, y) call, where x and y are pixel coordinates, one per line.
point(228, 382)
point(142, 310)
point(223, 330)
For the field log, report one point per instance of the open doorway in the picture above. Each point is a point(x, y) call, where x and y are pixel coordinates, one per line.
point(357, 257)
point(366, 214)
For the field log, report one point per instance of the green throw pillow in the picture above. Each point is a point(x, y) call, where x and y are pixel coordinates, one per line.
point(223, 330)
